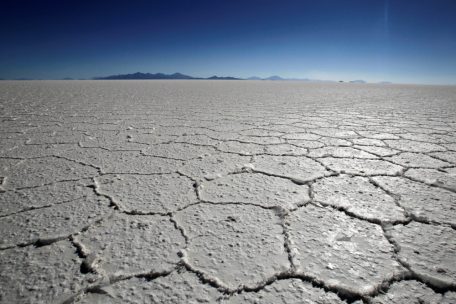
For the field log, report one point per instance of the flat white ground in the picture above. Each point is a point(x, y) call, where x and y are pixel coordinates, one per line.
point(226, 191)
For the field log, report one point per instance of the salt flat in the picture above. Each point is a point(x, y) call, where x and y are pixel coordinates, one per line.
point(227, 192)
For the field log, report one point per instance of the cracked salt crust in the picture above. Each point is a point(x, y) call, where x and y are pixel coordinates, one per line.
point(421, 201)
point(125, 245)
point(343, 252)
point(180, 151)
point(297, 169)
point(55, 222)
point(286, 291)
point(358, 196)
point(429, 251)
point(175, 288)
point(361, 166)
point(231, 244)
point(445, 178)
point(408, 292)
point(48, 274)
point(417, 160)
point(15, 201)
point(42, 171)
point(226, 192)
point(143, 194)
point(255, 188)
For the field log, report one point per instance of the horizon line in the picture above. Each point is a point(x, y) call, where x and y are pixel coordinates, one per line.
point(272, 77)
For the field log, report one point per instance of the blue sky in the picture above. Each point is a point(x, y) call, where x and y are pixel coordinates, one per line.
point(375, 40)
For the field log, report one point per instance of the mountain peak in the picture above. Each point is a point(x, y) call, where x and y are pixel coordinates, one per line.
point(274, 77)
point(215, 77)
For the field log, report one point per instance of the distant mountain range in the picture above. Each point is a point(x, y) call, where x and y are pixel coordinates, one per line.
point(221, 78)
point(139, 75)
point(275, 77)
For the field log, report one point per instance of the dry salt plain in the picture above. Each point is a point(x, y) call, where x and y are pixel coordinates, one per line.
point(227, 192)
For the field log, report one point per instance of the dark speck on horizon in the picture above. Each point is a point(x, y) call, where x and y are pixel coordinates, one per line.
point(349, 40)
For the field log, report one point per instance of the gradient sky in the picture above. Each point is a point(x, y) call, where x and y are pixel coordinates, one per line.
point(374, 40)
